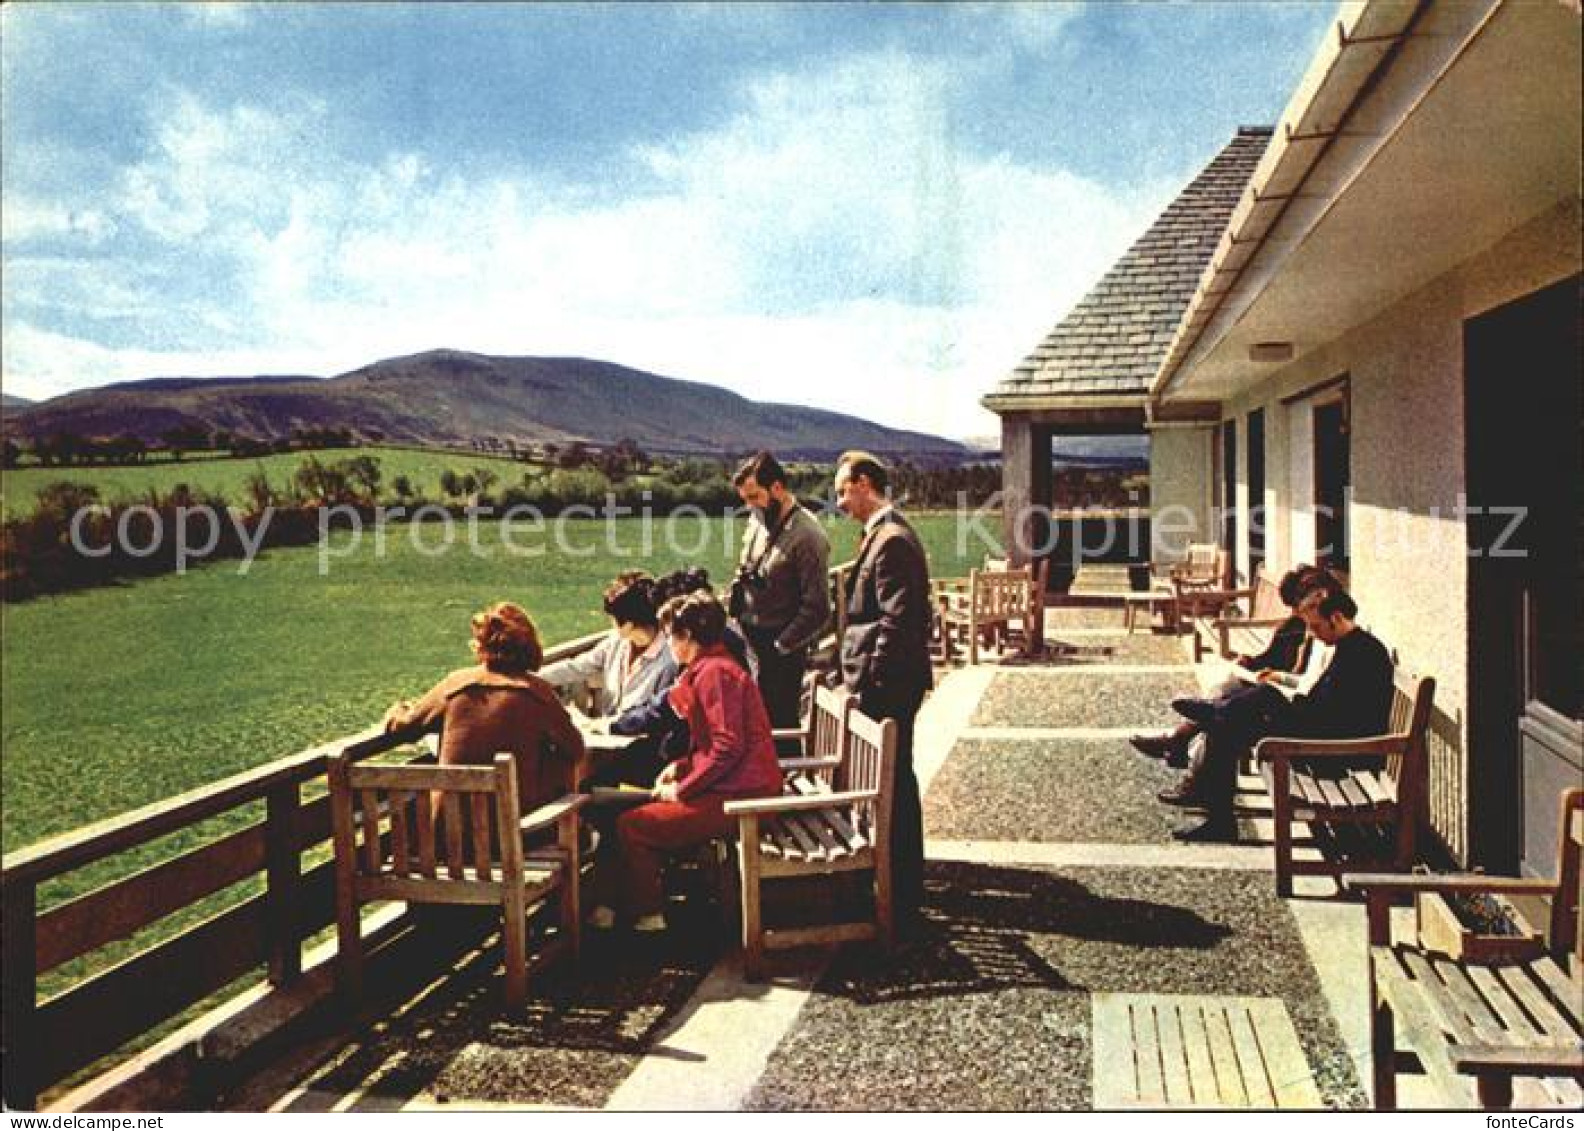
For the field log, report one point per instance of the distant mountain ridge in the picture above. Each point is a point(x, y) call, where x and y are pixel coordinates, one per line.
point(7, 400)
point(450, 397)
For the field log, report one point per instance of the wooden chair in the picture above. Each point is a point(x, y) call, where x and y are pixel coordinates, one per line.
point(822, 834)
point(450, 834)
point(1370, 814)
point(993, 602)
point(1465, 1018)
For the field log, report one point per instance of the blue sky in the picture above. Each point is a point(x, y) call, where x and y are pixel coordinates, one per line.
point(876, 208)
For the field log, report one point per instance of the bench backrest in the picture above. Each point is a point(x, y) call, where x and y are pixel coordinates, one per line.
point(1566, 936)
point(1267, 603)
point(418, 832)
point(867, 766)
point(1412, 698)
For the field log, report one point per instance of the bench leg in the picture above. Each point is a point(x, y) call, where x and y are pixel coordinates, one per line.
point(752, 925)
point(1383, 1051)
point(1281, 818)
point(1495, 1090)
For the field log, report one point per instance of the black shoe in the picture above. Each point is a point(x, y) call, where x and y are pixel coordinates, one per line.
point(1185, 795)
point(1153, 745)
point(1200, 711)
point(1215, 830)
point(1178, 759)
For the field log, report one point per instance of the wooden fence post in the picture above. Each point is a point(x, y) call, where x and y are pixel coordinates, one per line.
point(282, 862)
point(19, 950)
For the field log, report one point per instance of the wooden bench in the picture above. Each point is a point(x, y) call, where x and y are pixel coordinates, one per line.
point(822, 834)
point(1363, 813)
point(1475, 1019)
point(398, 828)
point(984, 611)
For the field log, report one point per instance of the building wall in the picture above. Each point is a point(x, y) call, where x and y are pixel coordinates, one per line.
point(1180, 482)
point(1405, 371)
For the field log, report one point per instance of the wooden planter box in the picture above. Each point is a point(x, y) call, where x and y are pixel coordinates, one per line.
point(1440, 929)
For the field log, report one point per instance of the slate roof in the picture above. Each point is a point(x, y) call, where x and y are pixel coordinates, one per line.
point(1113, 341)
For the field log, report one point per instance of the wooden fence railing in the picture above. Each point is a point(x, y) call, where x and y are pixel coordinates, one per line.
point(44, 1042)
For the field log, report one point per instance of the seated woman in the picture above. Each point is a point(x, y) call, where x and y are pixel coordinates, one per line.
point(664, 735)
point(499, 706)
point(730, 756)
point(631, 662)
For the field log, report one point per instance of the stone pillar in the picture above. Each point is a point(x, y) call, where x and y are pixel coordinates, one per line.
point(1181, 480)
point(1025, 485)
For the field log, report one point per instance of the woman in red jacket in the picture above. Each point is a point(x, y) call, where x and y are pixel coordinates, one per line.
point(731, 756)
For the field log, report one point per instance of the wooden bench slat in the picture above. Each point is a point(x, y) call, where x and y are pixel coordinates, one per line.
point(807, 832)
point(1549, 976)
point(424, 813)
point(1520, 982)
point(398, 832)
point(1423, 1023)
point(451, 819)
point(1353, 792)
point(1487, 1027)
point(1494, 993)
point(1196, 1050)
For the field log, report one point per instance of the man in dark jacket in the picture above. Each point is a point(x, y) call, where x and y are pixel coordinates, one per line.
point(1352, 699)
point(885, 651)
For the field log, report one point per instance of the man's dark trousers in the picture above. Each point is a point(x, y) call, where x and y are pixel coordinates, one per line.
point(779, 676)
point(907, 812)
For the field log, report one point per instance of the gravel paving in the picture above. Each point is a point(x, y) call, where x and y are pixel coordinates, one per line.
point(990, 1010)
point(1030, 699)
point(1067, 791)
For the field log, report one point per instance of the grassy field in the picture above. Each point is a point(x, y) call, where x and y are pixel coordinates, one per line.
point(121, 696)
point(225, 477)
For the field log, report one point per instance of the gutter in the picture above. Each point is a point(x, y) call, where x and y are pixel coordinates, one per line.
point(1282, 198)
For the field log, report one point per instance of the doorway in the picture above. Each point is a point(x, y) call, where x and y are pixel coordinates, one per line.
point(1524, 468)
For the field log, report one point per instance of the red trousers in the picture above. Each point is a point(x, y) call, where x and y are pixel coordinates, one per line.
point(649, 832)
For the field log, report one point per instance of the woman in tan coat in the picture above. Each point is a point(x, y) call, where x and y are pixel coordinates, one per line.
point(499, 706)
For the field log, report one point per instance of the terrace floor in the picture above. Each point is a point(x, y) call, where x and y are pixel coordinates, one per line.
point(1053, 886)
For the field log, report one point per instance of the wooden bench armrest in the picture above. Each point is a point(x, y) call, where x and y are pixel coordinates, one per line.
point(1451, 882)
point(552, 812)
point(1270, 749)
point(1536, 1060)
point(770, 806)
point(826, 763)
point(779, 733)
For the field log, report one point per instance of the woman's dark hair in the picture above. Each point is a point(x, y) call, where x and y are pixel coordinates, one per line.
point(506, 639)
point(698, 616)
point(1295, 584)
point(679, 583)
point(630, 599)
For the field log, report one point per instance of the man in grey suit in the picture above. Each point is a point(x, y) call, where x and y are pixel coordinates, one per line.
point(885, 650)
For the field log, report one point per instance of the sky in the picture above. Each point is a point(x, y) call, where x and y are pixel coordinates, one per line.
point(873, 208)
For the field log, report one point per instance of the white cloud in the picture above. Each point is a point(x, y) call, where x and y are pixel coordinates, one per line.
point(831, 245)
point(222, 14)
point(24, 218)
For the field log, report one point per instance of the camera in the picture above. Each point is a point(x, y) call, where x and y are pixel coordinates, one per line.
point(748, 577)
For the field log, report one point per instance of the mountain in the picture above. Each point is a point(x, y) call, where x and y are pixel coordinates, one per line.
point(1078, 451)
point(447, 397)
point(7, 401)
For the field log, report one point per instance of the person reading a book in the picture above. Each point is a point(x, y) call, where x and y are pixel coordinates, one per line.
point(730, 756)
point(629, 664)
point(1288, 651)
point(1351, 699)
